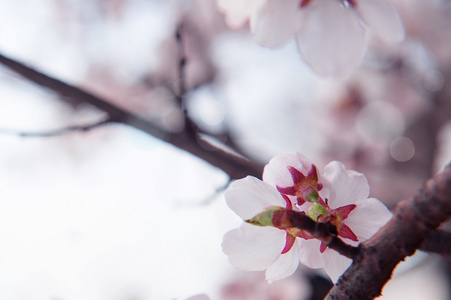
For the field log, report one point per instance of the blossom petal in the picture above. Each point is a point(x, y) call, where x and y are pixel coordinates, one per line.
point(276, 171)
point(238, 11)
point(276, 22)
point(344, 186)
point(332, 40)
point(309, 253)
point(249, 196)
point(284, 266)
point(367, 218)
point(381, 16)
point(335, 264)
point(253, 248)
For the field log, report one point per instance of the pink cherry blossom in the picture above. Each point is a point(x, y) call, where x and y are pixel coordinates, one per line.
point(331, 34)
point(344, 195)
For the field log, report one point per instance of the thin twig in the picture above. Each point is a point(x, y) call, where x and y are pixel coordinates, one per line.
point(182, 62)
point(233, 165)
point(55, 132)
point(190, 126)
point(179, 93)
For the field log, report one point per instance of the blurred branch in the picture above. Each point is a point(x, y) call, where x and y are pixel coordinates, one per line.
point(413, 221)
point(181, 89)
point(56, 132)
point(234, 166)
point(438, 242)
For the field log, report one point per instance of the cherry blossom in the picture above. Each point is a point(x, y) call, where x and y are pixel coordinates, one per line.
point(331, 34)
point(343, 197)
point(256, 248)
point(337, 196)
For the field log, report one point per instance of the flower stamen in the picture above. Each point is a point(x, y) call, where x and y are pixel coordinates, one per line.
point(305, 188)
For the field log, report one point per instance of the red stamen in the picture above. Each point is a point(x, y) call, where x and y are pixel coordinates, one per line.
point(344, 211)
point(301, 200)
point(347, 233)
point(321, 201)
point(296, 175)
point(323, 247)
point(288, 202)
point(288, 243)
point(313, 175)
point(291, 190)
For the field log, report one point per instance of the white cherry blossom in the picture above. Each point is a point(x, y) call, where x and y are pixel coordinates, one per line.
point(346, 191)
point(292, 182)
point(331, 34)
point(255, 248)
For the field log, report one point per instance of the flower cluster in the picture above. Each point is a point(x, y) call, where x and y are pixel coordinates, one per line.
point(337, 196)
point(331, 34)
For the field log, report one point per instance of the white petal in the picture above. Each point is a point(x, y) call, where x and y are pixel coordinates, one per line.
point(344, 186)
point(253, 248)
point(276, 171)
point(238, 11)
point(335, 264)
point(249, 196)
point(276, 22)
point(284, 266)
point(309, 253)
point(367, 218)
point(332, 40)
point(381, 16)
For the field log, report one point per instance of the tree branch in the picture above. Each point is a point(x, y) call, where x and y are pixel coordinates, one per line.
point(182, 88)
point(413, 220)
point(438, 242)
point(325, 232)
point(234, 166)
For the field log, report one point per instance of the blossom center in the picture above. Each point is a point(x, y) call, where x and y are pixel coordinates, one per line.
point(305, 188)
point(292, 234)
point(336, 217)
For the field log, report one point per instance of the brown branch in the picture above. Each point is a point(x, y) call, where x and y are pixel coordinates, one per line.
point(413, 220)
point(325, 232)
point(181, 89)
point(438, 242)
point(234, 166)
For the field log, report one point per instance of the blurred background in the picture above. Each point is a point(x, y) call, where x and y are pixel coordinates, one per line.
point(115, 214)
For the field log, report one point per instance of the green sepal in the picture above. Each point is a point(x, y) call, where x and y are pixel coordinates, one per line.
point(265, 218)
point(316, 210)
point(312, 197)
